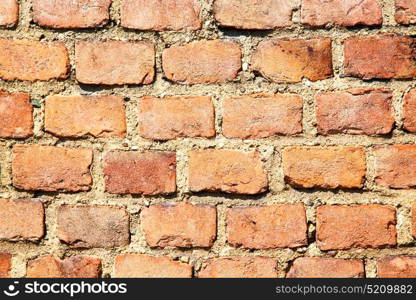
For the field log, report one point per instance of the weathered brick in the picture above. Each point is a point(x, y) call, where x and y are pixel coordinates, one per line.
point(341, 12)
point(15, 115)
point(213, 61)
point(239, 267)
point(173, 117)
point(356, 226)
point(48, 266)
point(145, 266)
point(32, 60)
point(396, 267)
point(267, 227)
point(294, 59)
point(9, 12)
point(321, 267)
point(148, 173)
point(93, 226)
point(79, 116)
point(396, 166)
point(380, 56)
point(183, 225)
point(226, 171)
point(21, 219)
point(5, 265)
point(161, 15)
point(71, 14)
point(261, 116)
point(249, 14)
point(405, 12)
point(356, 111)
point(47, 168)
point(114, 62)
point(409, 111)
point(324, 167)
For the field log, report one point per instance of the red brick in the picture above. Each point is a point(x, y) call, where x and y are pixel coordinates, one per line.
point(114, 62)
point(183, 225)
point(239, 267)
point(261, 116)
point(161, 15)
point(291, 60)
point(5, 265)
point(380, 56)
point(71, 14)
point(148, 173)
point(15, 115)
point(357, 111)
point(144, 266)
point(409, 111)
point(48, 266)
point(173, 117)
point(248, 14)
point(267, 227)
point(79, 116)
point(396, 166)
point(341, 12)
point(324, 167)
point(405, 12)
point(32, 60)
point(202, 62)
point(21, 219)
point(357, 226)
point(9, 12)
point(396, 267)
point(321, 267)
point(47, 168)
point(226, 171)
point(93, 226)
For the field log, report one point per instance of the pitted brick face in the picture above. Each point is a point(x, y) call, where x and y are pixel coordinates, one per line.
point(322, 267)
point(9, 13)
point(5, 265)
point(16, 120)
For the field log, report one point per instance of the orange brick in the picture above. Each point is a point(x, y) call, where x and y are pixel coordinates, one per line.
point(267, 227)
point(144, 266)
point(202, 62)
point(409, 111)
point(357, 226)
point(47, 168)
point(183, 225)
point(321, 267)
point(396, 267)
point(173, 117)
point(9, 12)
point(405, 12)
point(5, 265)
point(78, 116)
point(114, 62)
point(15, 115)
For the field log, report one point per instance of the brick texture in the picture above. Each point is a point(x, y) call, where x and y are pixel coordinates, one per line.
point(396, 267)
point(409, 111)
point(321, 267)
point(9, 12)
point(413, 216)
point(15, 115)
point(5, 265)
point(405, 12)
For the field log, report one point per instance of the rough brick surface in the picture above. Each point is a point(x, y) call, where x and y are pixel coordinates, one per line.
point(409, 111)
point(294, 59)
point(355, 226)
point(324, 167)
point(15, 115)
point(78, 116)
point(357, 111)
point(320, 267)
point(182, 225)
point(341, 12)
point(239, 267)
point(405, 12)
point(93, 226)
point(380, 56)
point(32, 60)
point(202, 62)
point(413, 221)
point(261, 116)
point(161, 15)
point(114, 62)
point(5, 265)
point(226, 171)
point(266, 227)
point(71, 14)
point(47, 168)
point(145, 266)
point(397, 267)
point(174, 117)
point(148, 173)
point(21, 219)
point(396, 166)
point(49, 266)
point(249, 14)
point(9, 12)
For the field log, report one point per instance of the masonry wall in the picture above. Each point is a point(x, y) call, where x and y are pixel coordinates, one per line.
point(201, 138)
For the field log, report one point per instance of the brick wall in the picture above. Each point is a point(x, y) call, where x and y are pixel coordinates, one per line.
point(201, 138)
